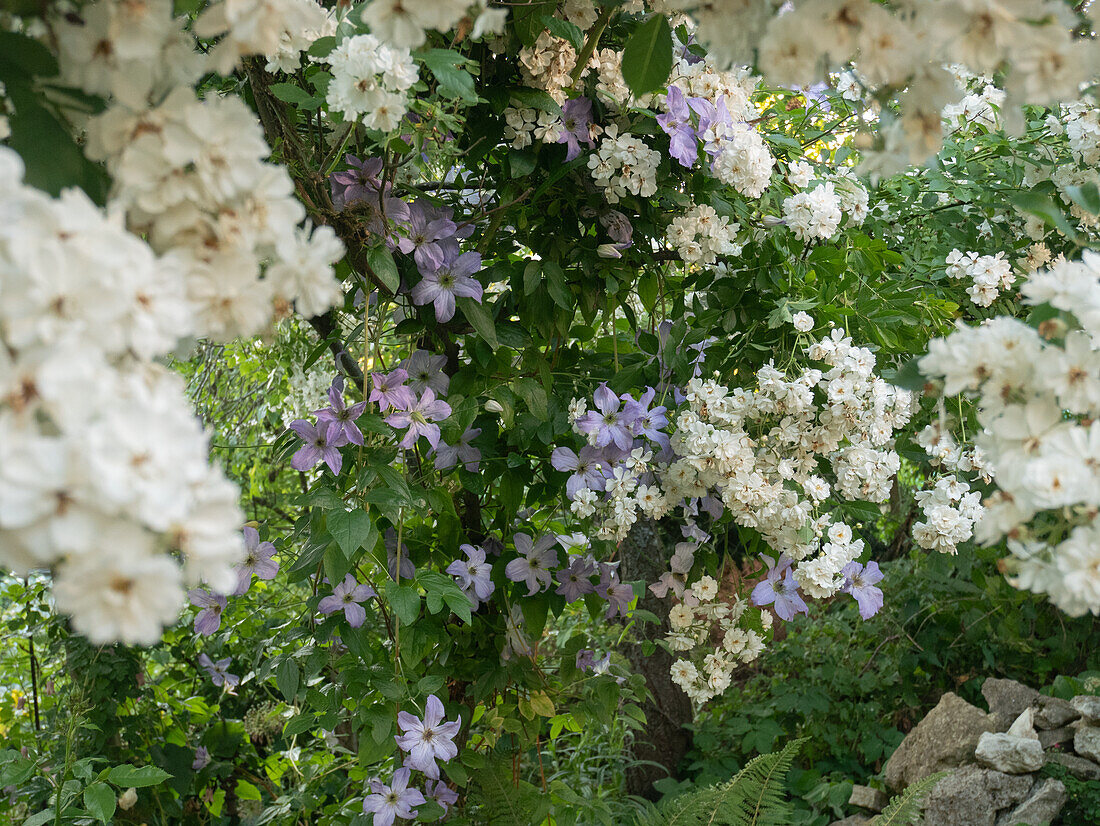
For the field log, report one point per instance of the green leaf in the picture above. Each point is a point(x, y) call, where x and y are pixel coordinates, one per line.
point(534, 396)
point(565, 30)
point(1045, 208)
point(299, 724)
point(480, 319)
point(131, 776)
point(99, 800)
point(529, 20)
point(322, 46)
point(1086, 196)
point(454, 82)
point(287, 677)
point(404, 600)
point(381, 262)
point(246, 791)
point(542, 705)
point(351, 530)
point(647, 57)
point(22, 57)
point(291, 93)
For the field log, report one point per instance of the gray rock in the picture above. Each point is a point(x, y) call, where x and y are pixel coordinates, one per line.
point(1054, 736)
point(1088, 706)
point(1052, 712)
point(1007, 700)
point(944, 739)
point(960, 799)
point(1079, 767)
point(865, 797)
point(853, 820)
point(1086, 742)
point(1044, 804)
point(1009, 754)
point(1006, 789)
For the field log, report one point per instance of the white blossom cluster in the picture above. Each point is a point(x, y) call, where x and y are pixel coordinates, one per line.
point(743, 160)
point(104, 472)
point(990, 274)
point(702, 616)
point(524, 125)
point(549, 64)
point(1031, 41)
point(815, 214)
point(949, 510)
point(979, 108)
point(404, 23)
point(276, 29)
point(370, 82)
point(190, 173)
point(1082, 128)
point(624, 164)
point(758, 451)
point(944, 451)
point(852, 196)
point(700, 235)
point(1045, 463)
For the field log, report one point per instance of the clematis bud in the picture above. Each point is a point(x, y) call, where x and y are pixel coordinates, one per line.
point(608, 251)
point(127, 799)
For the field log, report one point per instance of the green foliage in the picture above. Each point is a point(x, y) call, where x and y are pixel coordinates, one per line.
point(647, 56)
point(753, 797)
point(905, 808)
point(1082, 796)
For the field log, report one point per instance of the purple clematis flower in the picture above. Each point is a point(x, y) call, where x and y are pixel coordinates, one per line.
point(393, 801)
point(419, 420)
point(342, 415)
point(219, 671)
point(202, 759)
point(781, 588)
point(429, 739)
point(209, 619)
point(447, 455)
point(322, 441)
point(390, 390)
point(347, 597)
point(586, 658)
point(447, 281)
point(442, 794)
point(362, 188)
point(257, 561)
point(473, 575)
point(587, 468)
point(576, 580)
point(619, 595)
point(676, 123)
point(535, 562)
point(618, 227)
point(609, 423)
point(648, 421)
point(576, 119)
point(860, 583)
point(422, 233)
point(426, 370)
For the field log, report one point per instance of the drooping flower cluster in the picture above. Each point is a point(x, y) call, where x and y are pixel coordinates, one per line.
point(949, 511)
point(190, 173)
point(700, 235)
point(1043, 461)
point(815, 214)
point(104, 471)
point(370, 82)
point(624, 164)
point(695, 622)
point(990, 274)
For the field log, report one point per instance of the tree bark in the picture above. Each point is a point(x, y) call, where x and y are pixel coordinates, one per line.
point(665, 741)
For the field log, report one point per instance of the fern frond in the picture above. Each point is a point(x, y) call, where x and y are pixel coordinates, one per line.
point(752, 797)
point(904, 809)
point(764, 801)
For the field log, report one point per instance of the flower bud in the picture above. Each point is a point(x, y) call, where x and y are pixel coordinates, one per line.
point(127, 799)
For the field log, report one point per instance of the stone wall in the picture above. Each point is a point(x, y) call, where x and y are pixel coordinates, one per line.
point(994, 757)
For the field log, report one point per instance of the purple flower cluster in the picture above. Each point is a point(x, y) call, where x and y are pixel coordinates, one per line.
point(779, 588)
point(348, 597)
point(616, 427)
point(576, 123)
point(473, 575)
point(427, 739)
point(423, 230)
point(219, 671)
point(257, 561)
point(859, 581)
point(537, 567)
point(689, 120)
point(335, 427)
